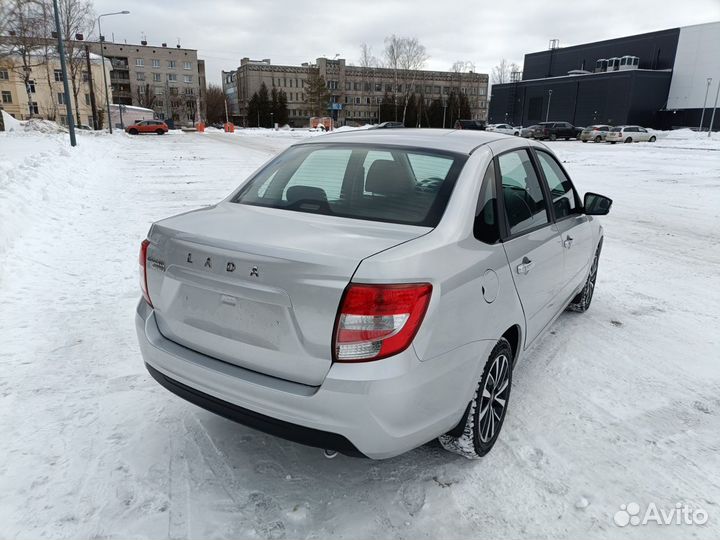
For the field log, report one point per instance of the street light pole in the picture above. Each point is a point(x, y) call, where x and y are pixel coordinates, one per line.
point(444, 111)
point(102, 55)
point(712, 118)
point(707, 89)
point(63, 67)
point(547, 113)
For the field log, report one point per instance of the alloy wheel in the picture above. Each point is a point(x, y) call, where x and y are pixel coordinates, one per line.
point(591, 281)
point(493, 398)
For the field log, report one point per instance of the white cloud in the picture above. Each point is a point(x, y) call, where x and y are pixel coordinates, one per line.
point(291, 32)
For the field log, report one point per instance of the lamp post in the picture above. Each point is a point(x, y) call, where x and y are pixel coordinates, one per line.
point(707, 89)
point(547, 113)
point(272, 122)
point(102, 55)
point(63, 67)
point(712, 117)
point(444, 110)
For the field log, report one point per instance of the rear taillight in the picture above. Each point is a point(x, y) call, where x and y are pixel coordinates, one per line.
point(377, 321)
point(143, 270)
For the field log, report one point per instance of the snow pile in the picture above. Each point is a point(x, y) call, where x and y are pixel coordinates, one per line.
point(613, 406)
point(11, 124)
point(35, 173)
point(43, 126)
point(33, 125)
point(354, 128)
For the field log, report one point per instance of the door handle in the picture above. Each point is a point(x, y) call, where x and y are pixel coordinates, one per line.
point(525, 266)
point(568, 242)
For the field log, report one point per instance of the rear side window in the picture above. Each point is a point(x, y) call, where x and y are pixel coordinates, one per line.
point(561, 189)
point(485, 227)
point(523, 198)
point(371, 182)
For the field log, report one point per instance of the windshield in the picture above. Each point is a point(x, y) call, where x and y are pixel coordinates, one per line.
point(377, 183)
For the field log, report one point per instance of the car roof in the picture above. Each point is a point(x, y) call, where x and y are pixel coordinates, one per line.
point(450, 140)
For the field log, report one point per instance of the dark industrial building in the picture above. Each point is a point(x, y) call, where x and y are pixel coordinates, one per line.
point(659, 80)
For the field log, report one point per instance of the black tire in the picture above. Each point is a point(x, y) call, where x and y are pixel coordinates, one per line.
point(517, 133)
point(598, 139)
point(582, 300)
point(480, 426)
point(613, 142)
point(567, 138)
point(553, 137)
point(133, 132)
point(628, 140)
point(584, 140)
point(652, 139)
point(159, 132)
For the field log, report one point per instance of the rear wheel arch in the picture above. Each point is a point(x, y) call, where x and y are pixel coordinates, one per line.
point(513, 335)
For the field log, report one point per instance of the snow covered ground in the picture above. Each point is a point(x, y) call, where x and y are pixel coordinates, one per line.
point(618, 405)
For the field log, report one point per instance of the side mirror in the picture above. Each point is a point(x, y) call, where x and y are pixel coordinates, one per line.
point(596, 205)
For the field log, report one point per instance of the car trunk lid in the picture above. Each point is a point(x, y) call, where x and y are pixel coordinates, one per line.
point(260, 287)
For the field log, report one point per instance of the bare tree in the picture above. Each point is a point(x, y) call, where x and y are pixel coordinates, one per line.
point(215, 103)
point(405, 56)
point(25, 25)
point(147, 98)
point(367, 59)
point(501, 72)
point(76, 17)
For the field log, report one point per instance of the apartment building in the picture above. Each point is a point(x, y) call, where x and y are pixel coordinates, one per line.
point(356, 92)
point(169, 80)
point(44, 97)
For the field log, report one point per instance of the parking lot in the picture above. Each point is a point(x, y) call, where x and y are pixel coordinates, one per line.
point(618, 405)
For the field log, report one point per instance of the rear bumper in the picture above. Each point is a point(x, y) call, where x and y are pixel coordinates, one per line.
point(266, 424)
point(377, 409)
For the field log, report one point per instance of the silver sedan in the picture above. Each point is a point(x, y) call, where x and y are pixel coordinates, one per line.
point(367, 292)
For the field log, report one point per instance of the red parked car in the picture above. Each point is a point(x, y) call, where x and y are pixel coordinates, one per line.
point(147, 126)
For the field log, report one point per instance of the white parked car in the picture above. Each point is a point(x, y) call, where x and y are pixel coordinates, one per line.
point(507, 129)
point(629, 134)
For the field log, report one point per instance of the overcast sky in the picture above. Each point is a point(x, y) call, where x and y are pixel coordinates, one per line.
point(295, 31)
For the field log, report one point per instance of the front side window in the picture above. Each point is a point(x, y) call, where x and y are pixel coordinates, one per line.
point(376, 183)
point(561, 189)
point(523, 198)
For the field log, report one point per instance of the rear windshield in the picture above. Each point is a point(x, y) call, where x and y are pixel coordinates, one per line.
point(616, 129)
point(376, 183)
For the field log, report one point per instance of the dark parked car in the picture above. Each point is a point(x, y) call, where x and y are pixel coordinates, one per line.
point(556, 130)
point(387, 125)
point(470, 124)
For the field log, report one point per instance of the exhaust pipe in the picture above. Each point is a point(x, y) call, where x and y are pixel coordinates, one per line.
point(330, 454)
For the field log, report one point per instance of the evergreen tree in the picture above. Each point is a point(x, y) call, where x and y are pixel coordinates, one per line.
point(387, 109)
point(317, 95)
point(411, 112)
point(253, 117)
point(278, 106)
point(263, 104)
point(281, 114)
point(435, 113)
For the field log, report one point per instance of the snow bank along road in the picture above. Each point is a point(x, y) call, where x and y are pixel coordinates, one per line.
point(619, 405)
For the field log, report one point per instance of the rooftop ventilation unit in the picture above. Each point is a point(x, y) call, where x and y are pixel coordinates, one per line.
point(601, 64)
point(629, 62)
point(613, 64)
point(554, 44)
